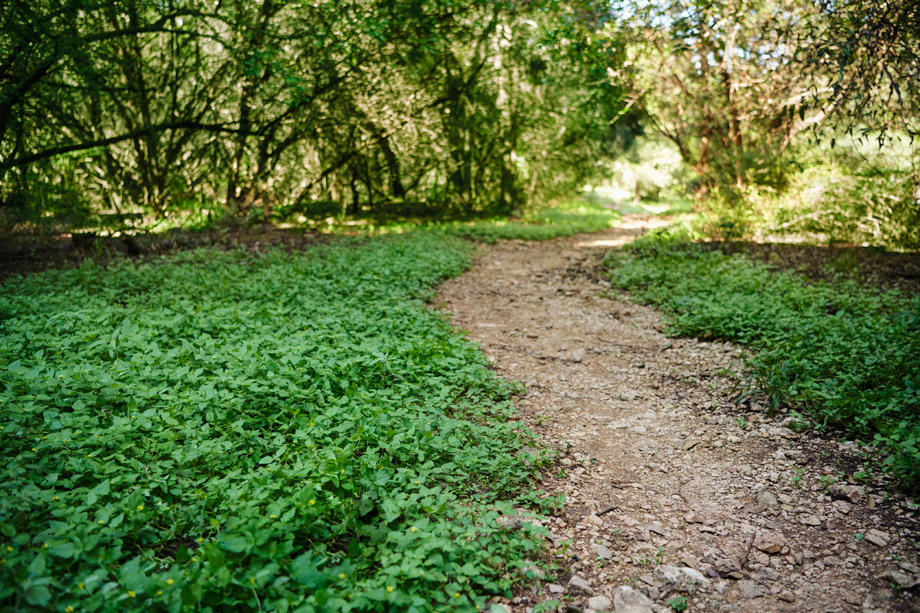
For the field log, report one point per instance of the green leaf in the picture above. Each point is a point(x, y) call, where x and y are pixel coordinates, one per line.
point(236, 543)
point(305, 571)
point(38, 595)
point(63, 550)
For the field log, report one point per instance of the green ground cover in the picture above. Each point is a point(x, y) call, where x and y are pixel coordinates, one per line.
point(847, 354)
point(277, 432)
point(563, 218)
point(566, 218)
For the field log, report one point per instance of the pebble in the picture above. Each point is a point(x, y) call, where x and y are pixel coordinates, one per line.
point(555, 588)
point(630, 600)
point(749, 589)
point(809, 520)
point(759, 557)
point(656, 529)
point(678, 578)
point(603, 552)
point(578, 585)
point(766, 574)
point(877, 537)
point(842, 506)
point(594, 520)
point(832, 561)
point(843, 491)
point(770, 542)
point(599, 603)
point(903, 580)
point(729, 566)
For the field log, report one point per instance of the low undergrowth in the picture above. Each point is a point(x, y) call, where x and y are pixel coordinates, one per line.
point(276, 432)
point(847, 354)
point(565, 218)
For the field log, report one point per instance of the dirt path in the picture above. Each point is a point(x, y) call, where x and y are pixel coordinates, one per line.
point(663, 470)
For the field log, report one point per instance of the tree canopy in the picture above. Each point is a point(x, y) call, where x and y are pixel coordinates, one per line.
point(461, 105)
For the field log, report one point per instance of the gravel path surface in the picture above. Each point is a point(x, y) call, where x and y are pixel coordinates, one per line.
point(676, 484)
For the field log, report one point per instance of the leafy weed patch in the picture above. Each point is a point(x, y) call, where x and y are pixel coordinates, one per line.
point(276, 432)
point(848, 354)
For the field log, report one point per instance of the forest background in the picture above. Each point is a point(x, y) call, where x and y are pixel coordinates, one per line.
point(765, 115)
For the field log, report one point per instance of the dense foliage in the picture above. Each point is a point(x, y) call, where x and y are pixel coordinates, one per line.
point(113, 112)
point(867, 53)
point(566, 218)
point(755, 96)
point(848, 355)
point(714, 79)
point(223, 429)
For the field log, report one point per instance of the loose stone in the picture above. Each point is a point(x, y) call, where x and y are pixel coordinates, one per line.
point(749, 589)
point(770, 542)
point(578, 585)
point(678, 578)
point(877, 537)
point(603, 552)
point(630, 600)
point(599, 603)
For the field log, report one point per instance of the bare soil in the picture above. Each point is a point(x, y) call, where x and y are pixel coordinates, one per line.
point(666, 461)
point(22, 254)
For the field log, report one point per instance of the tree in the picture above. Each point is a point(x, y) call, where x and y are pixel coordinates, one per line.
point(268, 107)
point(716, 79)
point(867, 53)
